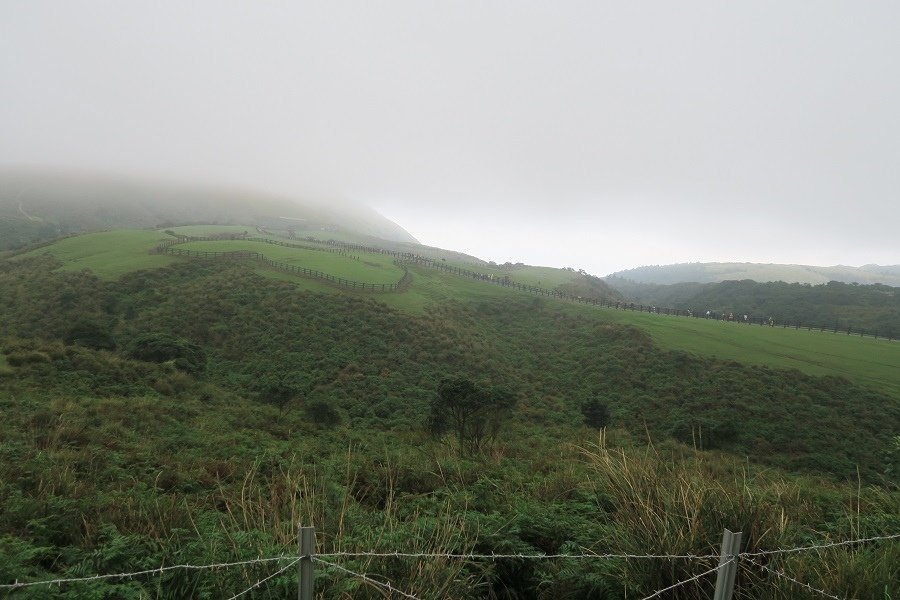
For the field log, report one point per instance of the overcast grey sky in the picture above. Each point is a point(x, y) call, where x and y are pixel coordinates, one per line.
point(588, 134)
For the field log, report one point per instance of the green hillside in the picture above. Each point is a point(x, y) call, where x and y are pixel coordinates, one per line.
point(870, 362)
point(195, 411)
point(108, 254)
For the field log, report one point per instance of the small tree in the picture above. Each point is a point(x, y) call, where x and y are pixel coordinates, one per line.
point(475, 415)
point(596, 413)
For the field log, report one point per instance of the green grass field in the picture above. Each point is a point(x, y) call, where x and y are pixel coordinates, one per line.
point(545, 277)
point(431, 287)
point(369, 268)
point(206, 230)
point(108, 254)
point(875, 363)
point(866, 361)
point(339, 236)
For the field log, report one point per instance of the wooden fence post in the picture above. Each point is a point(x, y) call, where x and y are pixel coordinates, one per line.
point(307, 540)
point(731, 547)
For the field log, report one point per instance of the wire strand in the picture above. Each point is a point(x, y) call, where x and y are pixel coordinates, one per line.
point(795, 581)
point(694, 578)
point(513, 556)
point(160, 570)
point(265, 579)
point(366, 578)
point(821, 546)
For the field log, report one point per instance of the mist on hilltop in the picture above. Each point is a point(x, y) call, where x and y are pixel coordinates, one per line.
point(40, 204)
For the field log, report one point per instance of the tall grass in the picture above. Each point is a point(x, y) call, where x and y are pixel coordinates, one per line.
point(668, 500)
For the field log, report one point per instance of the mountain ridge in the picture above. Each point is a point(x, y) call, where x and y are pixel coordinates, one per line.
point(715, 272)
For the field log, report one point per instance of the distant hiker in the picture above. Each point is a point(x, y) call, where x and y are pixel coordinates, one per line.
point(745, 318)
point(707, 314)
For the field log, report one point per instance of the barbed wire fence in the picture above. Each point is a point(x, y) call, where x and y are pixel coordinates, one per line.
point(729, 559)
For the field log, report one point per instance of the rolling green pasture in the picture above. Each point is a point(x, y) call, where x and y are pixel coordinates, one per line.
point(430, 287)
point(874, 363)
point(545, 277)
point(339, 236)
point(369, 268)
point(108, 254)
point(865, 361)
point(205, 230)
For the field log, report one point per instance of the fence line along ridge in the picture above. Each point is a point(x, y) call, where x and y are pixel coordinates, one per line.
point(403, 258)
point(293, 269)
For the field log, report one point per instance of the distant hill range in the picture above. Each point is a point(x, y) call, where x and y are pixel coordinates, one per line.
point(41, 205)
point(717, 272)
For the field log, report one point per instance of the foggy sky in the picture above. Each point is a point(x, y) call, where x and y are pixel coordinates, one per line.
point(594, 135)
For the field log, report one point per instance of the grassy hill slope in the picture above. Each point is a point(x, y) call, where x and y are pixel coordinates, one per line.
point(107, 254)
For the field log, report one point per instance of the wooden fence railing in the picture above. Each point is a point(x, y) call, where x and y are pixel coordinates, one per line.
point(407, 258)
point(293, 269)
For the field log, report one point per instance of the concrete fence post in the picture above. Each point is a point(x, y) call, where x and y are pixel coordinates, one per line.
point(731, 547)
point(306, 537)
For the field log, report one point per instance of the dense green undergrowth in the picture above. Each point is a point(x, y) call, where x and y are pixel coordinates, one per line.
point(112, 464)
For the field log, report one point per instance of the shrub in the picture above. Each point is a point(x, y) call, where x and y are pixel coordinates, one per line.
point(90, 333)
point(322, 413)
point(162, 347)
point(18, 359)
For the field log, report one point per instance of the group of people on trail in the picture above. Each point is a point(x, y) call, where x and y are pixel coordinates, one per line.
point(740, 318)
point(729, 317)
point(732, 317)
point(723, 316)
